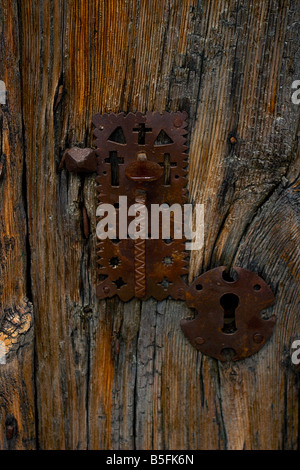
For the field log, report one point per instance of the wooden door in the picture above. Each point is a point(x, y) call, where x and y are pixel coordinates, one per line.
point(81, 373)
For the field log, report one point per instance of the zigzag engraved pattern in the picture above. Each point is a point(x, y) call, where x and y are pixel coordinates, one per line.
point(140, 252)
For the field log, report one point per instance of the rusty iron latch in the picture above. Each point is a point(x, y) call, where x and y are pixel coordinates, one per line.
point(143, 158)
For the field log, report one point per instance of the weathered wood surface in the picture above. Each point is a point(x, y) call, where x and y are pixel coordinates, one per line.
point(17, 407)
point(110, 375)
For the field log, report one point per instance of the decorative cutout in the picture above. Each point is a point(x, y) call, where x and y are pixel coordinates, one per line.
point(114, 162)
point(117, 136)
point(119, 283)
point(167, 164)
point(163, 139)
point(165, 283)
point(114, 261)
point(142, 130)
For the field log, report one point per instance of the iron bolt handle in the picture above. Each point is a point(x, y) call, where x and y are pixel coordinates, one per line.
point(141, 171)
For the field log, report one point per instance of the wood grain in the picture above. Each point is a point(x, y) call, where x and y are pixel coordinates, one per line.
point(110, 375)
point(17, 406)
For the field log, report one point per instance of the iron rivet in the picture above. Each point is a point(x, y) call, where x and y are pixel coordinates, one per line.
point(258, 338)
point(106, 289)
point(199, 340)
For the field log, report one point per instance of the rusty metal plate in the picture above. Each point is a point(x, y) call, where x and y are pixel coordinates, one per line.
point(228, 313)
point(151, 267)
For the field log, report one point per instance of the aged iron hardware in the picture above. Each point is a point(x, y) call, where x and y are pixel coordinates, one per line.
point(143, 157)
point(228, 313)
point(141, 171)
point(80, 160)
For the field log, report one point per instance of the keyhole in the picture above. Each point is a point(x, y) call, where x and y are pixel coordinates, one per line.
point(229, 303)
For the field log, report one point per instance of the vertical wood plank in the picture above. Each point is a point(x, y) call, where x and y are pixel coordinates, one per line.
point(56, 241)
point(17, 407)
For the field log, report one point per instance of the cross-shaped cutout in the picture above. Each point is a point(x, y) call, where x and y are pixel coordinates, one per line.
point(167, 168)
point(114, 161)
point(142, 129)
point(165, 283)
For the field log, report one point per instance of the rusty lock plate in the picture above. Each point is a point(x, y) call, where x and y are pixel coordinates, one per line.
point(228, 313)
point(142, 157)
